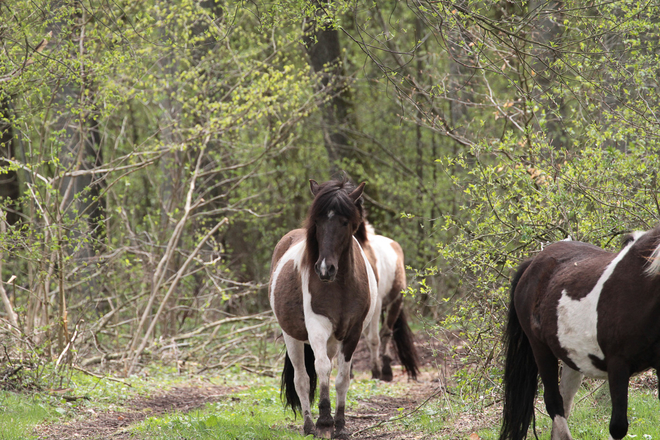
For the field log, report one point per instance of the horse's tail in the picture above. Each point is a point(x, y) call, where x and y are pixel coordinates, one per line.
point(404, 342)
point(288, 388)
point(520, 373)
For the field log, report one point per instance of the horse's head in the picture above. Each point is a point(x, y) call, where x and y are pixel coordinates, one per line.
point(335, 215)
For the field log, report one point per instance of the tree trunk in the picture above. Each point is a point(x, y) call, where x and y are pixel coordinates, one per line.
point(9, 185)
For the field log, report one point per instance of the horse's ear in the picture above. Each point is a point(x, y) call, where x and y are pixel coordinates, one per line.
point(314, 187)
point(357, 192)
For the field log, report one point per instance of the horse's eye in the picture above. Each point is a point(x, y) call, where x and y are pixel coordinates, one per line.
point(344, 223)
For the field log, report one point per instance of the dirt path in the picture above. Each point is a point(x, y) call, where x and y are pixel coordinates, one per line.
point(113, 424)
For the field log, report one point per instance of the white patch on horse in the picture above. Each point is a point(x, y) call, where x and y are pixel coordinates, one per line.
point(386, 260)
point(577, 321)
point(323, 268)
point(294, 253)
point(331, 214)
point(373, 288)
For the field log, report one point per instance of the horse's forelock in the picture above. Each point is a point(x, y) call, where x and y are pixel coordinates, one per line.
point(334, 196)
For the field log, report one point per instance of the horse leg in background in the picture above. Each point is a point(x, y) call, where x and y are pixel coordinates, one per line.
point(568, 387)
point(392, 312)
point(373, 341)
point(342, 383)
point(320, 333)
point(296, 352)
point(549, 371)
point(618, 375)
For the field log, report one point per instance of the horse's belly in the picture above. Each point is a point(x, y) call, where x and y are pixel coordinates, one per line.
point(577, 323)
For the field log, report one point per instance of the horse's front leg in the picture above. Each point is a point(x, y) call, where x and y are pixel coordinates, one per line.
point(319, 337)
point(342, 383)
point(618, 375)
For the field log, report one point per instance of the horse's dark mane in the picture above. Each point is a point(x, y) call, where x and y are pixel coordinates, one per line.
point(333, 196)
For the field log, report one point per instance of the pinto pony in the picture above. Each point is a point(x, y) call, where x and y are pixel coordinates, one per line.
point(386, 258)
point(323, 291)
point(596, 311)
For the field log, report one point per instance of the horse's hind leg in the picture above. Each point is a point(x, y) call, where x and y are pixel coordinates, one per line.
point(373, 341)
point(296, 351)
point(618, 375)
point(386, 332)
point(549, 371)
point(568, 387)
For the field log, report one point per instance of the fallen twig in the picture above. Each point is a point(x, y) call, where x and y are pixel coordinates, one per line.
point(112, 379)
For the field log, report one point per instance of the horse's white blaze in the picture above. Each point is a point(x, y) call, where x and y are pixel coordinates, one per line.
point(331, 214)
point(294, 253)
point(577, 321)
point(323, 268)
point(560, 429)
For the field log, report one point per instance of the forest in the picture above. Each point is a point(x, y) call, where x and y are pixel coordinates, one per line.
point(152, 154)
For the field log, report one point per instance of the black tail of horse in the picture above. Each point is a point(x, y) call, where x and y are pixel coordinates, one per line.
point(520, 374)
point(404, 342)
point(288, 388)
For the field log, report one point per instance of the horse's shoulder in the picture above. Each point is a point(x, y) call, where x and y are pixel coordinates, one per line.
point(288, 241)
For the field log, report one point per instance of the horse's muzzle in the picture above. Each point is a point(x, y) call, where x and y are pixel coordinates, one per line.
point(326, 272)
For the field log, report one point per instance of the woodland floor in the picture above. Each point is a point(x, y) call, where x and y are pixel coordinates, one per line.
point(368, 421)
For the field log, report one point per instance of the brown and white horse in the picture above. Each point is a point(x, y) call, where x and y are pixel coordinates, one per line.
point(386, 258)
point(596, 311)
point(323, 292)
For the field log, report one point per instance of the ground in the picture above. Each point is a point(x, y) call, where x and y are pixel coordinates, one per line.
point(371, 419)
point(113, 424)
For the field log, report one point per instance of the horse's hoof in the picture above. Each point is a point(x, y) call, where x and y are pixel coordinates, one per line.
point(375, 374)
point(308, 427)
point(342, 434)
point(324, 427)
point(386, 377)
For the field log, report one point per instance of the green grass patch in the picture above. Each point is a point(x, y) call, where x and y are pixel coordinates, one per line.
point(252, 414)
point(19, 414)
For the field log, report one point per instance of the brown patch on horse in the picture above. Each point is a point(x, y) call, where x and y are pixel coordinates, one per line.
point(288, 301)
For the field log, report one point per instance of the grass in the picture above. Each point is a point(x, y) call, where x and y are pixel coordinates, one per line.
point(20, 413)
point(255, 413)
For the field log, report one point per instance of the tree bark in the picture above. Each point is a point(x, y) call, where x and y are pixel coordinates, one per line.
point(324, 52)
